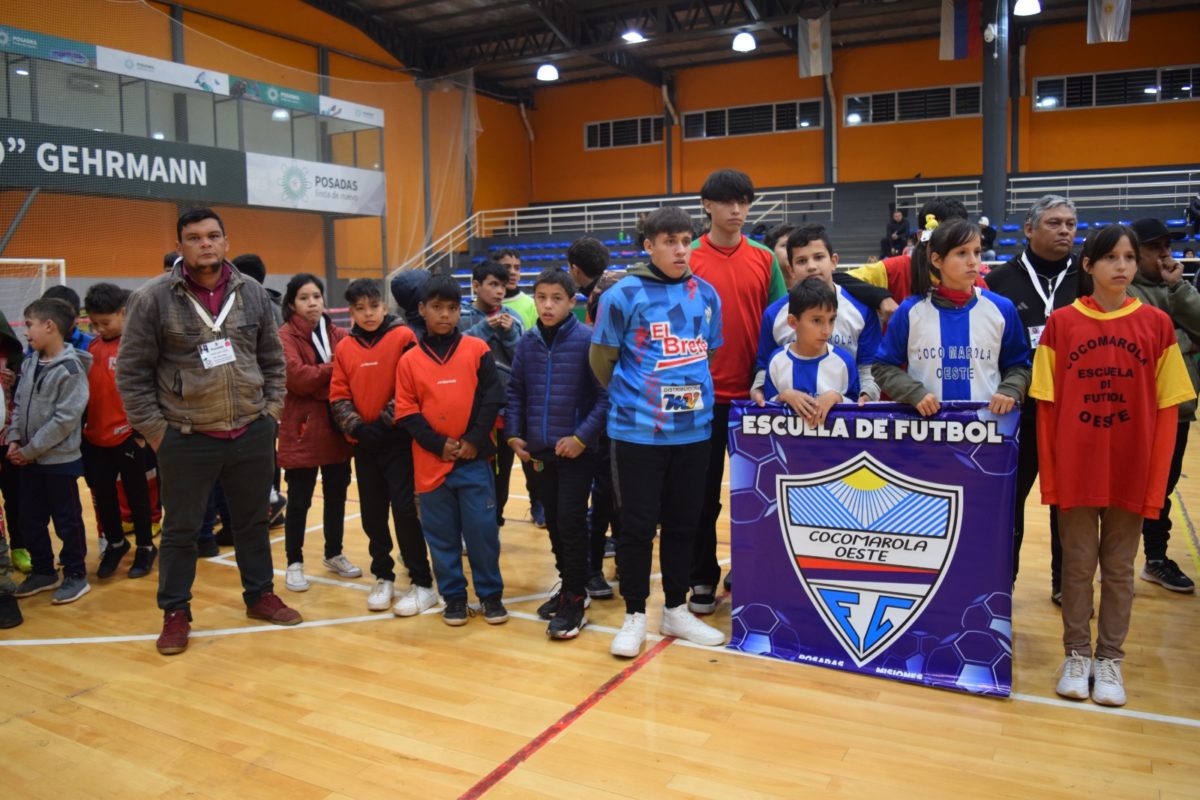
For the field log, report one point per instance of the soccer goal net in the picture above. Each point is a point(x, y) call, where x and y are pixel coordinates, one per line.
point(23, 280)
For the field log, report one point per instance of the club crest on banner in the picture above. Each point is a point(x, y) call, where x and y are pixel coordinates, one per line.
point(870, 546)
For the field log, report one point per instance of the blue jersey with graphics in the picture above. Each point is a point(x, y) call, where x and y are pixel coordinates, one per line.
point(833, 371)
point(661, 390)
point(957, 353)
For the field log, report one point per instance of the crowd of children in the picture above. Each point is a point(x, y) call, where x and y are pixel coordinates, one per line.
point(619, 417)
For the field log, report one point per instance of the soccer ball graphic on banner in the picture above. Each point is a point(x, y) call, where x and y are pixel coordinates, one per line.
point(761, 630)
point(754, 464)
point(972, 659)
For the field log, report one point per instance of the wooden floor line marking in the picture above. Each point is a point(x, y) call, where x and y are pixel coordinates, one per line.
point(1192, 543)
point(545, 737)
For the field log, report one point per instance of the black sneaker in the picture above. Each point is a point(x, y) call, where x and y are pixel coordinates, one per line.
point(10, 611)
point(456, 612)
point(494, 612)
point(568, 619)
point(143, 561)
point(208, 547)
point(729, 581)
point(1166, 573)
point(546, 610)
point(112, 558)
point(702, 601)
point(598, 588)
point(1056, 595)
point(610, 548)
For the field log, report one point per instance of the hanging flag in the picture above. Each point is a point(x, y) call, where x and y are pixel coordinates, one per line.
point(816, 46)
point(1108, 21)
point(961, 30)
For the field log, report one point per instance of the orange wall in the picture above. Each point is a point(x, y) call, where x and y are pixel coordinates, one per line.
point(563, 170)
point(900, 150)
point(1122, 136)
point(502, 152)
point(778, 159)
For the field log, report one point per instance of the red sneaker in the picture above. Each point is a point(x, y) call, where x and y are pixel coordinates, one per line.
point(273, 610)
point(174, 636)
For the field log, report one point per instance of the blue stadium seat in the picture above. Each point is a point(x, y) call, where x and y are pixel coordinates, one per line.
point(1079, 239)
point(1126, 221)
point(1099, 224)
point(1007, 242)
point(1009, 227)
point(1083, 226)
point(1176, 223)
point(610, 242)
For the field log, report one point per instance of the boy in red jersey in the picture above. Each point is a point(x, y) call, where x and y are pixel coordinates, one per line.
point(110, 446)
point(448, 394)
point(360, 395)
point(747, 279)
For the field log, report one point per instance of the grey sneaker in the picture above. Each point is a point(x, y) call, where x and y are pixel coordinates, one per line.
point(71, 590)
point(38, 583)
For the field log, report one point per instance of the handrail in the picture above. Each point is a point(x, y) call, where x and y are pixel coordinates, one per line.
point(1116, 191)
point(778, 204)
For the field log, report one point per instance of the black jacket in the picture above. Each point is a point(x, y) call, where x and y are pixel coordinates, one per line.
point(1012, 281)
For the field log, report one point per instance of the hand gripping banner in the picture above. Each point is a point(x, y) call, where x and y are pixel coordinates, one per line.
point(880, 543)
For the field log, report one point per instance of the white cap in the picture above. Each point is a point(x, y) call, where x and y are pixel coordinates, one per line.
point(983, 220)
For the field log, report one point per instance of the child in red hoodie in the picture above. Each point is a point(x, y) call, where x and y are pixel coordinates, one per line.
point(364, 382)
point(111, 448)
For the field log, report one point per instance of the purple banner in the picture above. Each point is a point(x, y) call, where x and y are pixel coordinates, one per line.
point(880, 543)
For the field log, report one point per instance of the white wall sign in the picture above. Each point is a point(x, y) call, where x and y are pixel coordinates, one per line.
point(312, 186)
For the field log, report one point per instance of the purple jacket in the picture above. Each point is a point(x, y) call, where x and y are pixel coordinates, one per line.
point(552, 392)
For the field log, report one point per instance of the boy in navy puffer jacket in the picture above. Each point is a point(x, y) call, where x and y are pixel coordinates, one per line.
point(556, 412)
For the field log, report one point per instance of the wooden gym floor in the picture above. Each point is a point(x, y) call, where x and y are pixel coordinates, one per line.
point(360, 705)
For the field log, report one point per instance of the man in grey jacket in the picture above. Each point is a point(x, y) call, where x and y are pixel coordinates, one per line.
point(201, 373)
point(1159, 282)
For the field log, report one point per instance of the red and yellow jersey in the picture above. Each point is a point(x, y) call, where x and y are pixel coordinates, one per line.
point(1108, 383)
point(105, 423)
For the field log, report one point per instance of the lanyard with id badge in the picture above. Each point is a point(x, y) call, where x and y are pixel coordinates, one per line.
point(1035, 331)
point(220, 351)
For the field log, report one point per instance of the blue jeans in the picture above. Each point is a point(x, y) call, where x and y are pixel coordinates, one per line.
point(462, 509)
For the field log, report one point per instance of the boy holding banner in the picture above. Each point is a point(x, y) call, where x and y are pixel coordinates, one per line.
point(856, 329)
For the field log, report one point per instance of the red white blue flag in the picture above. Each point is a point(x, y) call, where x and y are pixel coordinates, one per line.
point(961, 30)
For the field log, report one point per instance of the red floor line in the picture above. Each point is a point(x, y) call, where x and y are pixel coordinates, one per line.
point(544, 738)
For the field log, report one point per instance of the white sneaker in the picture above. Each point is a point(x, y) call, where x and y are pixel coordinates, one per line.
point(381, 596)
point(342, 566)
point(1074, 680)
point(295, 581)
point(1109, 688)
point(683, 624)
point(415, 600)
point(629, 640)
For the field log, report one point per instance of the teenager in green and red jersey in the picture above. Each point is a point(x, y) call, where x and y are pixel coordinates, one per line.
point(748, 279)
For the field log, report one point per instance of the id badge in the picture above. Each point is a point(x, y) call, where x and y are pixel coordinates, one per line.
point(677, 399)
point(214, 354)
point(1035, 335)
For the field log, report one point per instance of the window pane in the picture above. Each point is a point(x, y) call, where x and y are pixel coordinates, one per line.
point(785, 117)
point(133, 108)
point(593, 136)
point(162, 112)
point(966, 100)
point(858, 110)
point(263, 133)
point(1049, 93)
point(810, 115)
point(1120, 88)
point(751, 119)
point(77, 97)
point(658, 129)
point(937, 103)
point(305, 141)
point(200, 119)
point(714, 123)
point(624, 132)
point(647, 130)
point(227, 123)
point(693, 126)
point(1176, 84)
point(883, 107)
point(1079, 91)
point(605, 135)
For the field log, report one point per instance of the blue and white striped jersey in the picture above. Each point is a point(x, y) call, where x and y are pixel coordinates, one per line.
point(957, 353)
point(835, 371)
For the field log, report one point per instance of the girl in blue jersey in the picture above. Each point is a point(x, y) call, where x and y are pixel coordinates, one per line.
point(954, 341)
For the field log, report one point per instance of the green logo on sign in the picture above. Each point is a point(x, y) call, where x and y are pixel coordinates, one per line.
point(295, 184)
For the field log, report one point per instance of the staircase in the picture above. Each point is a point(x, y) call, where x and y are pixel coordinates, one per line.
point(860, 212)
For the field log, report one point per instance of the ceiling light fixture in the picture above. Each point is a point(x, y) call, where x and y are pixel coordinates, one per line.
point(547, 72)
point(1027, 8)
point(280, 115)
point(854, 118)
point(633, 36)
point(744, 42)
point(21, 71)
